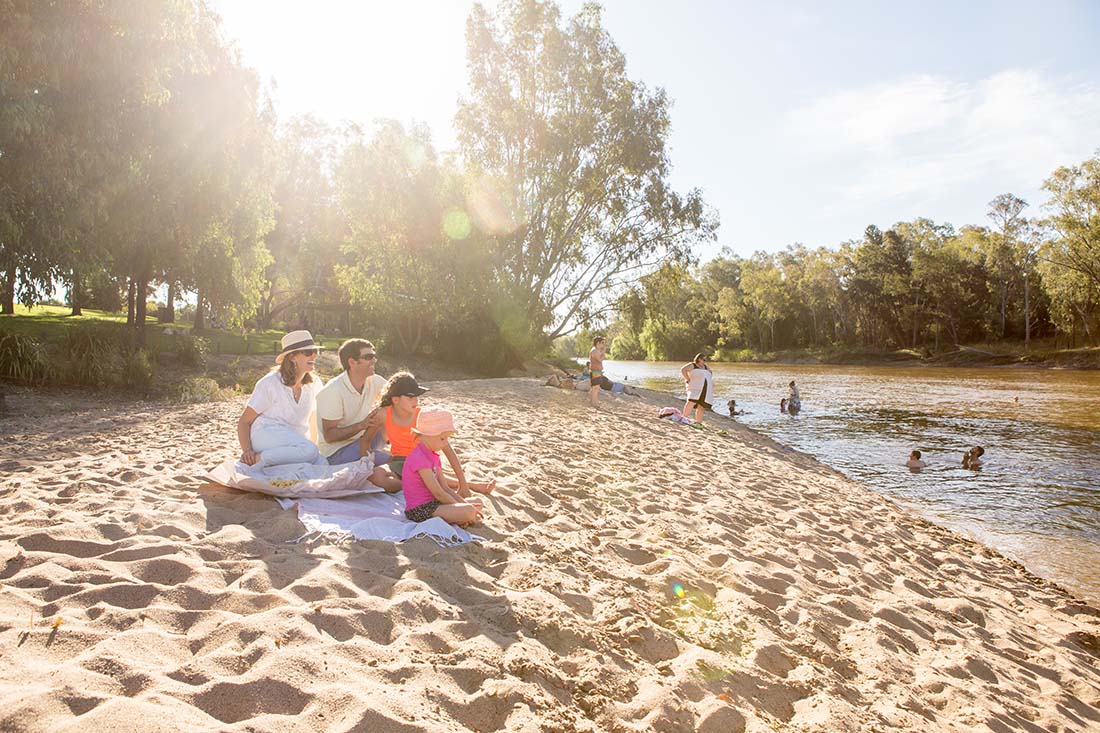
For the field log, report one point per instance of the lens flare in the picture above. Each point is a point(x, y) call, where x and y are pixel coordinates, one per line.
point(678, 590)
point(492, 207)
point(456, 224)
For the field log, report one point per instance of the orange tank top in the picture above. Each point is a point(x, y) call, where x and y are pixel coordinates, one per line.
point(402, 438)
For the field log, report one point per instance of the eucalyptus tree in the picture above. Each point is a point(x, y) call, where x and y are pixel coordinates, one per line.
point(1074, 215)
point(1007, 256)
point(571, 164)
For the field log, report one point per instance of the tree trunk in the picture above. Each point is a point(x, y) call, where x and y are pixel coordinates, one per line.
point(76, 294)
point(140, 308)
point(200, 314)
point(1027, 313)
point(168, 315)
point(7, 306)
point(130, 303)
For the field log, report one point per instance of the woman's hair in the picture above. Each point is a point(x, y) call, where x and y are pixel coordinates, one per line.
point(387, 393)
point(699, 356)
point(915, 454)
point(979, 450)
point(288, 372)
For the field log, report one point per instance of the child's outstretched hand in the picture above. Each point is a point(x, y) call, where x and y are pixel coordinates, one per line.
point(484, 488)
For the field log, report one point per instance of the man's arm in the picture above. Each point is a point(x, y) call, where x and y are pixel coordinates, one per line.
point(334, 433)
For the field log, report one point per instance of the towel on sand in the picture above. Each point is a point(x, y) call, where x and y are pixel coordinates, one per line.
point(373, 517)
point(297, 479)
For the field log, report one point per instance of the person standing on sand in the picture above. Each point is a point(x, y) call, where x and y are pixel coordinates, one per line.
point(277, 427)
point(698, 378)
point(595, 360)
point(344, 409)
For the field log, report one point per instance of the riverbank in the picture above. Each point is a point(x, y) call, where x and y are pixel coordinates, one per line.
point(639, 575)
point(964, 356)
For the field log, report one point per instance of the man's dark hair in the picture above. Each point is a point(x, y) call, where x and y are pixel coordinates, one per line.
point(597, 340)
point(351, 349)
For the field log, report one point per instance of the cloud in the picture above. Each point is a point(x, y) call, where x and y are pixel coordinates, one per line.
point(927, 138)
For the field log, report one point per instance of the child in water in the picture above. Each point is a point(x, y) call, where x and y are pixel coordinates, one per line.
point(973, 457)
point(915, 461)
point(428, 493)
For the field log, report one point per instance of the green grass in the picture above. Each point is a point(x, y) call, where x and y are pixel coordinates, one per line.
point(50, 323)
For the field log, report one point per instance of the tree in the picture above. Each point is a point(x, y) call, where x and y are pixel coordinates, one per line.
point(412, 259)
point(1002, 257)
point(1074, 208)
point(572, 165)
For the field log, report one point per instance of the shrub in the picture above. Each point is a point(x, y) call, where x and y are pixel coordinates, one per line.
point(136, 372)
point(201, 389)
point(23, 359)
point(102, 355)
point(192, 350)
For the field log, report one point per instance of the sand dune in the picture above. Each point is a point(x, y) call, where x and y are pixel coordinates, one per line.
point(639, 576)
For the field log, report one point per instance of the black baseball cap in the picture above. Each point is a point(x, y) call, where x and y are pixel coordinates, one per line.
point(406, 386)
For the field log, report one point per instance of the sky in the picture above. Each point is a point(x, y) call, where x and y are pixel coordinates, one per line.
point(799, 121)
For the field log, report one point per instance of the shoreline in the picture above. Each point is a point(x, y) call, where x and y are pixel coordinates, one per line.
point(638, 575)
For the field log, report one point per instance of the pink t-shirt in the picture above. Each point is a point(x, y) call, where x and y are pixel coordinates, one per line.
point(416, 491)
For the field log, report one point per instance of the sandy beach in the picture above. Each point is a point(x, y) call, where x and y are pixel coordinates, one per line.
point(637, 576)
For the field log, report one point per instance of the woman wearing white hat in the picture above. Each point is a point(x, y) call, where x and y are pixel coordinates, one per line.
point(277, 425)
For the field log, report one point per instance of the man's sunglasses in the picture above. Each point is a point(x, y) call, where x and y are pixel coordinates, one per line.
point(366, 357)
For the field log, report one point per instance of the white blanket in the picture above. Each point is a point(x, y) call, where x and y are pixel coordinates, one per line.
point(297, 479)
point(373, 517)
point(365, 512)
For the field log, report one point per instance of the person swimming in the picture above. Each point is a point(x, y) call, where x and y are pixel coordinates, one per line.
point(915, 461)
point(973, 457)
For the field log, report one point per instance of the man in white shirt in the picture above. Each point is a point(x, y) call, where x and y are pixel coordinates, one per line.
point(344, 406)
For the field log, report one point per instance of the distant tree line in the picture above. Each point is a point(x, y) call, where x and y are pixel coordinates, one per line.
point(137, 151)
point(918, 285)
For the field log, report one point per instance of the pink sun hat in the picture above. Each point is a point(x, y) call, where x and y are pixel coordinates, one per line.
point(434, 421)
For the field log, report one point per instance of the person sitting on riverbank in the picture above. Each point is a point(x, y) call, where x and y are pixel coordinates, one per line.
point(973, 457)
point(915, 461)
point(276, 427)
point(428, 493)
point(732, 407)
point(396, 417)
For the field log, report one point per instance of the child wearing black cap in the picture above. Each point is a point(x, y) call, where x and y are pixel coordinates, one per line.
point(395, 419)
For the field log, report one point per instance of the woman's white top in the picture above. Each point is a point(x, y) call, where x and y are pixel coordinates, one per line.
point(274, 401)
point(698, 378)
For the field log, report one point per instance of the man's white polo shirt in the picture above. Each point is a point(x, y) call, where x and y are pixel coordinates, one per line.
point(338, 400)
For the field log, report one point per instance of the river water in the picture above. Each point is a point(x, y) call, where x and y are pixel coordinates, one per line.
point(1036, 498)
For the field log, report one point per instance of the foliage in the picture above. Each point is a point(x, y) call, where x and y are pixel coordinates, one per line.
point(192, 350)
point(193, 390)
point(568, 166)
point(23, 359)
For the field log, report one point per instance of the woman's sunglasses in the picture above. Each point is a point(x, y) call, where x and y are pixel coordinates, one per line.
point(307, 352)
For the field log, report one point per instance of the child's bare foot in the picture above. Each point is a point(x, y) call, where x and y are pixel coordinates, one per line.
point(483, 488)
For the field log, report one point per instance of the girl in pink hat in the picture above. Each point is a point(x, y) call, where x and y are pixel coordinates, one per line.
point(428, 492)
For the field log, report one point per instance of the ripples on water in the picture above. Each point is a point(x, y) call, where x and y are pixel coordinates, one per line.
point(1037, 496)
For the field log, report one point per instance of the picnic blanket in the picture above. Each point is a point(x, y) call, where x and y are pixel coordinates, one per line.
point(297, 479)
point(372, 517)
point(338, 501)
